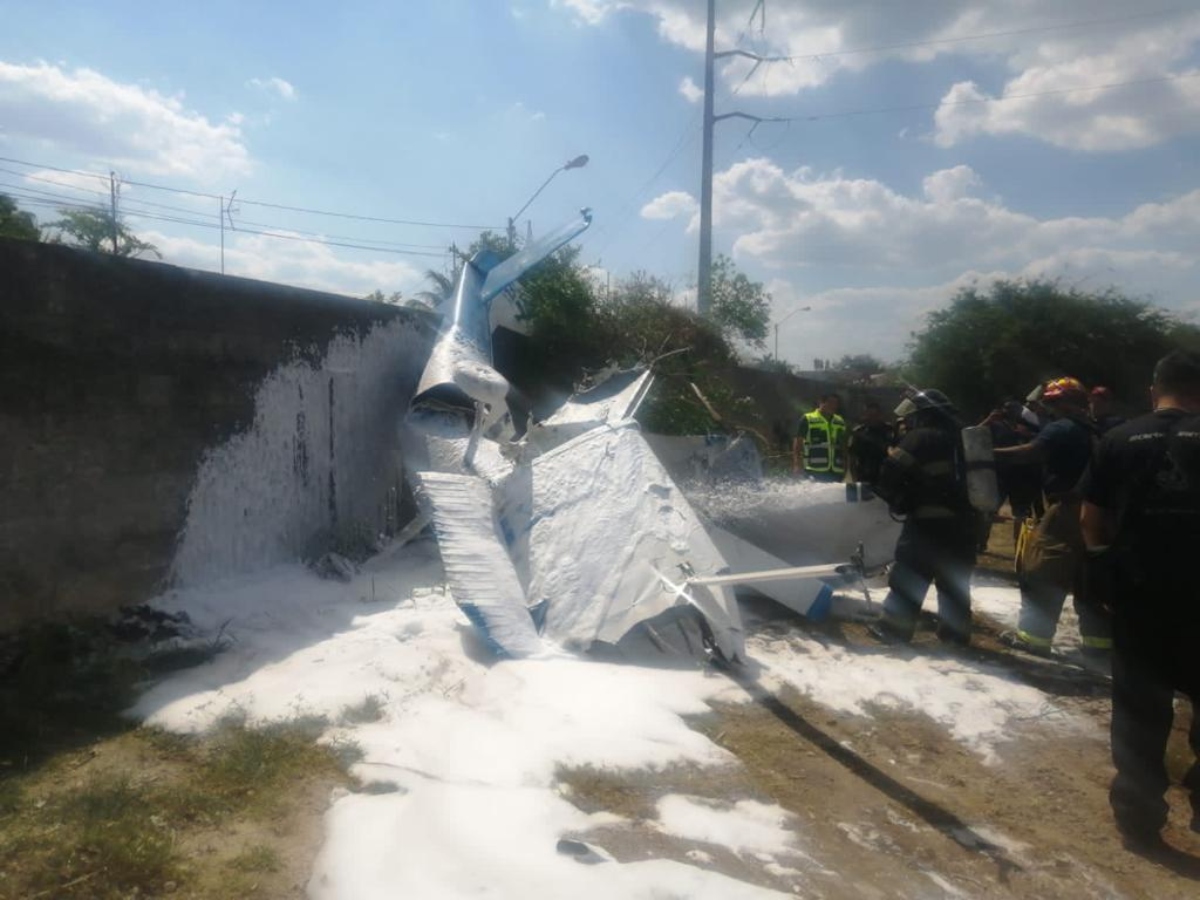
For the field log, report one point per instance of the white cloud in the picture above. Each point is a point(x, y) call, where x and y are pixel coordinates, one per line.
point(670, 206)
point(900, 254)
point(949, 185)
point(274, 85)
point(302, 263)
point(125, 125)
point(521, 112)
point(1049, 47)
point(691, 91)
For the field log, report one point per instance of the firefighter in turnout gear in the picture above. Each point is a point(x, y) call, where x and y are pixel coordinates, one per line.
point(924, 479)
point(819, 451)
point(1141, 525)
point(1050, 560)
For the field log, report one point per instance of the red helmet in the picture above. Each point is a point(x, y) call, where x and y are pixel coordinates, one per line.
point(1069, 390)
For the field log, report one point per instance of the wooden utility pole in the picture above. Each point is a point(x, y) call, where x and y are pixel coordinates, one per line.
point(704, 281)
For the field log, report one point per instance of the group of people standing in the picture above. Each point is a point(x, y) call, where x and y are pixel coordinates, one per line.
point(1108, 511)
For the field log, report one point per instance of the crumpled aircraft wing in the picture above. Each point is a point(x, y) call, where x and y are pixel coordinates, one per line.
point(482, 577)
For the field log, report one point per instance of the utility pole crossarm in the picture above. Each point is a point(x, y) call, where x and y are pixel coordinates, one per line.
point(757, 120)
point(724, 54)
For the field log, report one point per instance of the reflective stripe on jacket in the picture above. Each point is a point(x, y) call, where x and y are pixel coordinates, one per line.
point(824, 444)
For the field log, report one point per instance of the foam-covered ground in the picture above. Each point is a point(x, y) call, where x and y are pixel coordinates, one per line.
point(462, 752)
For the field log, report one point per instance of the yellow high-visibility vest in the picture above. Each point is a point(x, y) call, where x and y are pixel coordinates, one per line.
point(824, 444)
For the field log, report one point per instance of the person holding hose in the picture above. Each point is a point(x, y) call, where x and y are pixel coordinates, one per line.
point(924, 478)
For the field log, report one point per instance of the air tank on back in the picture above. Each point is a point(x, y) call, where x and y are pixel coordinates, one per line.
point(983, 492)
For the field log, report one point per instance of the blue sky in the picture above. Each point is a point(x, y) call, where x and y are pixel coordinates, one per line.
point(454, 111)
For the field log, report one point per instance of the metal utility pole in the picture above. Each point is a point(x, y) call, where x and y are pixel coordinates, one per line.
point(221, 216)
point(112, 193)
point(704, 281)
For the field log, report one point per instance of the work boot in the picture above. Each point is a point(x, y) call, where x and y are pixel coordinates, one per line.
point(952, 636)
point(887, 632)
point(1096, 660)
point(1017, 641)
point(1143, 842)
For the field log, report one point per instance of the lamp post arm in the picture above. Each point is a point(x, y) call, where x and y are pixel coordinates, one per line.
point(538, 191)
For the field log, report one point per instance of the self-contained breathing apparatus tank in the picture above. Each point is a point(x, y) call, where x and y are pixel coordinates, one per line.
point(983, 491)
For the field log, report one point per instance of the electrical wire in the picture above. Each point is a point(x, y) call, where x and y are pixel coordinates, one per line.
point(43, 199)
point(299, 209)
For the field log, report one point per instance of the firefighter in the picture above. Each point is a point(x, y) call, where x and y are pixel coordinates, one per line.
point(924, 479)
point(869, 442)
point(1050, 563)
point(819, 451)
point(1141, 526)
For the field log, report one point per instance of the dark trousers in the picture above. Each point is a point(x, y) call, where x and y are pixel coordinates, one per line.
point(1153, 657)
point(939, 552)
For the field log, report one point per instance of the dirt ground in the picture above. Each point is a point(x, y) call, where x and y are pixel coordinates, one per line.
point(893, 806)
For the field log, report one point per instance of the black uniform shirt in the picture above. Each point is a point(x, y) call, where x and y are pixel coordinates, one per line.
point(1067, 446)
point(869, 444)
point(1147, 472)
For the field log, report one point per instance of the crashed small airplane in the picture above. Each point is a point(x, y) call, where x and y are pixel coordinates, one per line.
point(576, 536)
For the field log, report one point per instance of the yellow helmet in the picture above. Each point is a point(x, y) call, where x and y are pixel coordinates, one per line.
point(1070, 390)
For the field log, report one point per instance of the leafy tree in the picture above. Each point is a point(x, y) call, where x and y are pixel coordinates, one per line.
point(740, 307)
point(441, 288)
point(770, 363)
point(999, 341)
point(395, 298)
point(860, 363)
point(639, 325)
point(93, 229)
point(16, 223)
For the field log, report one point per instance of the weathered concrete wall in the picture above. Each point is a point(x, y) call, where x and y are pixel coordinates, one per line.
point(128, 388)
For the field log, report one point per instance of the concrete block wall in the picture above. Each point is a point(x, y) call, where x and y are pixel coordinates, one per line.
point(129, 389)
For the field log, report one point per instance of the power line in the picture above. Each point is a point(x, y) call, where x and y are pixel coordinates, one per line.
point(336, 215)
point(685, 139)
point(45, 199)
point(262, 203)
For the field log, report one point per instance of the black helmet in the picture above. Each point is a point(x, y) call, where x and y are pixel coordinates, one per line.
point(920, 401)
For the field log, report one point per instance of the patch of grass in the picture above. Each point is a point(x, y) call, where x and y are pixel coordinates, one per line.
point(370, 710)
point(259, 858)
point(635, 794)
point(250, 768)
point(102, 840)
point(127, 827)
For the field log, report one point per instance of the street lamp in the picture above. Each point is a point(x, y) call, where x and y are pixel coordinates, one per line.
point(781, 321)
point(577, 163)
